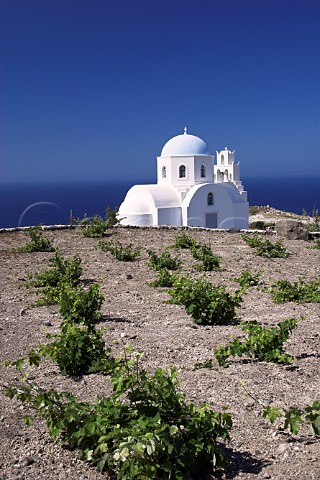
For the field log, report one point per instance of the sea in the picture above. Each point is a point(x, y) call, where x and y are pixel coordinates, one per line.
point(55, 203)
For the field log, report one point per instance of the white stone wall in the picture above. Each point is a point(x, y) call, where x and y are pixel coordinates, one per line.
point(164, 162)
point(139, 220)
point(193, 170)
point(169, 216)
point(207, 162)
point(231, 209)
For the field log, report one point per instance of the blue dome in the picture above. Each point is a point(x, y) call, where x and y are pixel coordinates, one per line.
point(185, 145)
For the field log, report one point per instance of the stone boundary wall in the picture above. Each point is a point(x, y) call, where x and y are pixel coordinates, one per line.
point(312, 235)
point(133, 227)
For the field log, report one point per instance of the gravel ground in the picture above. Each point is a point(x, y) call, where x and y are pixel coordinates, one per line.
point(168, 337)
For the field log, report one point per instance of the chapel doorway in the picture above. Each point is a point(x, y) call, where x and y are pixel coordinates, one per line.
point(211, 220)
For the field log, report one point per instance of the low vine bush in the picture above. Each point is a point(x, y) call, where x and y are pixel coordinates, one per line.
point(49, 295)
point(78, 348)
point(314, 226)
point(294, 417)
point(60, 270)
point(184, 241)
point(301, 292)
point(206, 303)
point(37, 243)
point(209, 261)
point(97, 226)
point(165, 279)
point(291, 417)
point(164, 260)
point(316, 244)
point(262, 343)
point(92, 227)
point(202, 252)
point(78, 305)
point(144, 430)
point(123, 253)
point(248, 279)
point(265, 248)
point(111, 216)
point(208, 363)
point(61, 275)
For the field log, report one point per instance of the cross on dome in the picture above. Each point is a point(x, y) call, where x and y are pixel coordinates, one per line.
point(185, 130)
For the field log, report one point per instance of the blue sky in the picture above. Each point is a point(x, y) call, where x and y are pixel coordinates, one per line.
point(92, 89)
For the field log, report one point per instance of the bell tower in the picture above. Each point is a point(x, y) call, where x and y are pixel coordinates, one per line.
point(227, 170)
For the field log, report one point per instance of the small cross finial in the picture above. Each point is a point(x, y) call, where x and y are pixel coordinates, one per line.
point(185, 130)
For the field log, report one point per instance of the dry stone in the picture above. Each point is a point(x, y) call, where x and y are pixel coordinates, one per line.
point(292, 230)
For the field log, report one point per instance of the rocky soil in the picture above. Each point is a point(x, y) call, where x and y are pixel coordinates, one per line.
point(272, 215)
point(168, 337)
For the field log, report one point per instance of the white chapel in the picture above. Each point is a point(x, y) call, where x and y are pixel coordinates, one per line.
point(191, 190)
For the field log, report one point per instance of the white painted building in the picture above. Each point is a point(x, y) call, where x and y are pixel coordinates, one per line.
point(227, 170)
point(190, 189)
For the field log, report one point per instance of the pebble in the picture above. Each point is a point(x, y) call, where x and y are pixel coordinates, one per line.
point(22, 311)
point(283, 447)
point(47, 323)
point(29, 461)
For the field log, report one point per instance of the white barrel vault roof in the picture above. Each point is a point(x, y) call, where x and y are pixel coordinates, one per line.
point(229, 188)
point(144, 198)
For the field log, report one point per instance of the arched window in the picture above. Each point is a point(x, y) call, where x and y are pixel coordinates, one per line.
point(164, 172)
point(203, 171)
point(222, 159)
point(210, 198)
point(182, 171)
